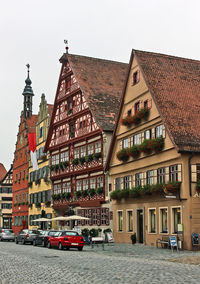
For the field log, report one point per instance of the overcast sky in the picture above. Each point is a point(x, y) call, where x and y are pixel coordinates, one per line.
point(32, 31)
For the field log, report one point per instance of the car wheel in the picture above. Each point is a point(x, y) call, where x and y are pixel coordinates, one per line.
point(49, 245)
point(23, 241)
point(60, 246)
point(34, 243)
point(43, 244)
point(80, 248)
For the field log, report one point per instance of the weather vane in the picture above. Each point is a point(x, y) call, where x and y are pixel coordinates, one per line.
point(28, 66)
point(66, 42)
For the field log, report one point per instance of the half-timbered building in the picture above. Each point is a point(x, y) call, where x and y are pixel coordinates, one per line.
point(21, 161)
point(85, 108)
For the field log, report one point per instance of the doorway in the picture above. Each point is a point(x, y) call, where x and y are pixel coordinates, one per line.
point(140, 225)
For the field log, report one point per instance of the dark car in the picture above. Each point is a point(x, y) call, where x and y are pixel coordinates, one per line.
point(26, 236)
point(7, 235)
point(66, 239)
point(42, 239)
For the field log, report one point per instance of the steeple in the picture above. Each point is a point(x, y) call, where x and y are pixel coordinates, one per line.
point(28, 94)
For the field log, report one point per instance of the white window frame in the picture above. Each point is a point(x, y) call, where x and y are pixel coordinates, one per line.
point(149, 222)
point(125, 143)
point(118, 221)
point(159, 131)
point(127, 221)
point(76, 153)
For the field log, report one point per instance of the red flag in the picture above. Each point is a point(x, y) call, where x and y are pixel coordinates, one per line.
point(32, 147)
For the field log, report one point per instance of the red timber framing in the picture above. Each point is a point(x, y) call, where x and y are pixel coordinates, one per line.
point(85, 107)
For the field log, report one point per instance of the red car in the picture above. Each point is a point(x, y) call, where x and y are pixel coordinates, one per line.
point(66, 239)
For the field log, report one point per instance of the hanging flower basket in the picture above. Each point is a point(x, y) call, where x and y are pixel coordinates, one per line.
point(122, 155)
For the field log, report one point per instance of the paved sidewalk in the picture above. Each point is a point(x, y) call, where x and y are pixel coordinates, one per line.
point(118, 263)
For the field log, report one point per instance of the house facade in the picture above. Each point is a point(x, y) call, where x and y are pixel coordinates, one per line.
point(21, 161)
point(6, 184)
point(39, 180)
point(154, 155)
point(85, 108)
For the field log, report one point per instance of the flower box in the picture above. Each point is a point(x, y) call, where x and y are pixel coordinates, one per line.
point(122, 155)
point(133, 151)
point(135, 119)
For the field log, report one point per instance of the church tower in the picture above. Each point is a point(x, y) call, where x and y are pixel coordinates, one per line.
point(28, 94)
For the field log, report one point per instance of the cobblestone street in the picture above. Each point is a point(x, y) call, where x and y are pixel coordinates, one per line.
point(116, 264)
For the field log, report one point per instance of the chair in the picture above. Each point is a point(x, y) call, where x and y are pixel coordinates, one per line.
point(173, 243)
point(195, 240)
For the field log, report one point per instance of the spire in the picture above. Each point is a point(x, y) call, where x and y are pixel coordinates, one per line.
point(28, 88)
point(28, 94)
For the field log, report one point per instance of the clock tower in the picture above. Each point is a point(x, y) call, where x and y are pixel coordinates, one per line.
point(28, 94)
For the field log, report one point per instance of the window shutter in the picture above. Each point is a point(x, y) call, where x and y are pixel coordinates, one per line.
point(39, 197)
point(140, 104)
point(166, 174)
point(149, 103)
point(37, 154)
point(133, 110)
point(48, 195)
point(130, 182)
point(129, 142)
point(153, 133)
point(133, 180)
point(142, 181)
point(145, 178)
point(154, 176)
point(31, 176)
point(163, 131)
point(142, 137)
point(179, 172)
point(120, 144)
point(138, 76)
point(194, 173)
point(44, 171)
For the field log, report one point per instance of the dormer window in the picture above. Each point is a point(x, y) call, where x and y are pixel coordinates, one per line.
point(135, 77)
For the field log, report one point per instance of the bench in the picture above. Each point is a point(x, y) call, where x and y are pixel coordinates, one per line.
point(164, 242)
point(97, 241)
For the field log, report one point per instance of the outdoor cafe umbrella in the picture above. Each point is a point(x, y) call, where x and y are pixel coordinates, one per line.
point(68, 218)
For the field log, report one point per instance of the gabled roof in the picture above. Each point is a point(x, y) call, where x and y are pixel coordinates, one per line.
point(7, 179)
point(2, 171)
point(174, 83)
point(101, 82)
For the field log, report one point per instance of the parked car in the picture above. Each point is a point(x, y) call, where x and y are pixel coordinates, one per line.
point(66, 239)
point(7, 235)
point(26, 236)
point(42, 239)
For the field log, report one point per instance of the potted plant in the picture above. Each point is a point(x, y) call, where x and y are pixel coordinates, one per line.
point(122, 155)
point(97, 156)
point(133, 151)
point(99, 190)
point(78, 193)
point(82, 160)
point(47, 203)
point(75, 161)
point(133, 238)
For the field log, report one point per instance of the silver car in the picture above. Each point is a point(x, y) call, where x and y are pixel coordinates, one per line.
point(7, 235)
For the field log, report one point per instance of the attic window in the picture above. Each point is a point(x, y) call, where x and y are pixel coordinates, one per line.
point(129, 112)
point(146, 104)
point(136, 77)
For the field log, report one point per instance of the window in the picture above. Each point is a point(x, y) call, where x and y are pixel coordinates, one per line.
point(126, 182)
point(76, 153)
point(23, 197)
point(78, 185)
point(97, 147)
point(173, 173)
point(163, 220)
point(137, 139)
point(147, 134)
point(19, 175)
point(94, 216)
point(125, 143)
point(129, 113)
point(55, 159)
point(103, 216)
point(85, 184)
point(99, 182)
point(15, 178)
point(130, 221)
point(198, 172)
point(67, 187)
point(90, 149)
point(23, 174)
point(152, 220)
point(83, 151)
point(150, 176)
point(137, 107)
point(159, 131)
point(117, 183)
point(120, 221)
point(161, 175)
point(135, 77)
point(71, 129)
point(64, 156)
point(146, 104)
point(57, 188)
point(93, 183)
point(41, 131)
point(176, 219)
point(138, 179)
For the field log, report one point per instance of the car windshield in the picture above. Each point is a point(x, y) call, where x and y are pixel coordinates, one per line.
point(8, 231)
point(68, 233)
point(45, 233)
point(57, 234)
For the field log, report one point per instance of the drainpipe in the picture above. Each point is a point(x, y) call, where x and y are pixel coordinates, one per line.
point(189, 168)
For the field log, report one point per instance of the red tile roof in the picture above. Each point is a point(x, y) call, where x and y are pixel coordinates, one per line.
point(101, 82)
point(174, 83)
point(2, 171)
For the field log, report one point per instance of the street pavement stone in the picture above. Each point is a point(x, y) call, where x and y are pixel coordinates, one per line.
point(117, 263)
